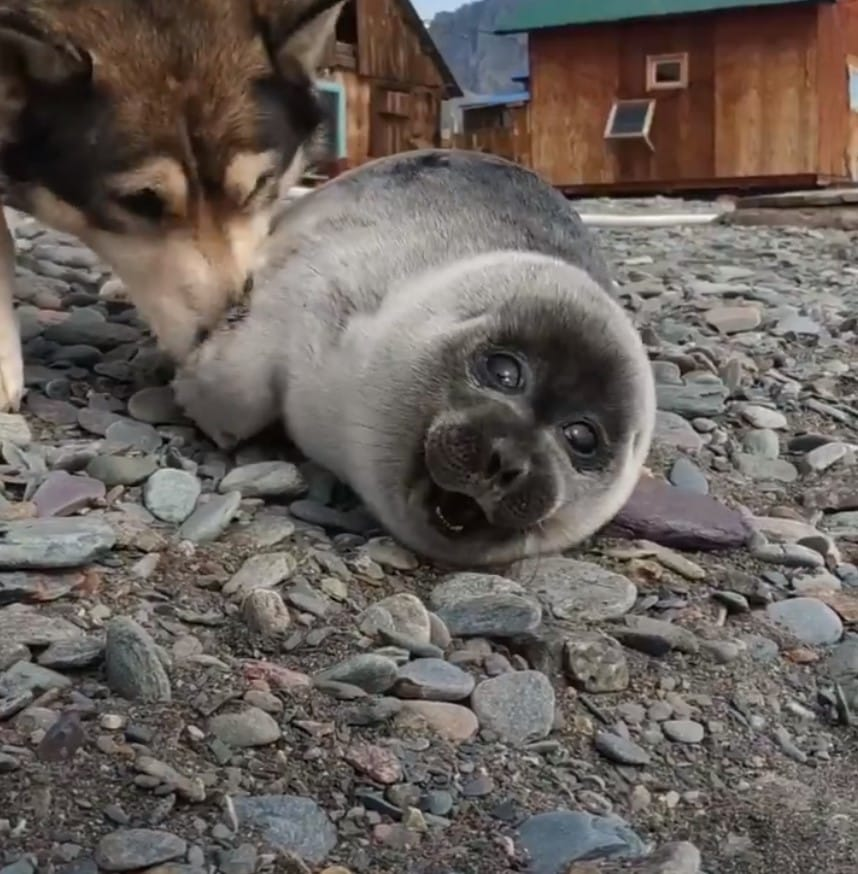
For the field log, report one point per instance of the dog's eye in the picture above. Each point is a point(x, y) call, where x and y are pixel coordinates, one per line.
point(263, 182)
point(502, 371)
point(144, 203)
point(581, 437)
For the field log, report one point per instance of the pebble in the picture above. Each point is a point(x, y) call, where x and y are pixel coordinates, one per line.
point(673, 430)
point(404, 614)
point(655, 636)
point(265, 479)
point(289, 823)
point(370, 672)
point(758, 467)
point(620, 749)
point(53, 542)
point(131, 849)
point(692, 400)
point(61, 494)
point(121, 470)
point(763, 442)
point(684, 731)
point(133, 665)
point(250, 727)
point(156, 405)
point(265, 612)
point(450, 721)
point(210, 518)
point(595, 662)
point(433, 679)
point(823, 457)
point(496, 616)
point(128, 434)
point(171, 495)
point(262, 571)
point(809, 619)
point(687, 476)
point(734, 319)
point(556, 839)
point(763, 417)
point(518, 707)
point(377, 763)
point(578, 590)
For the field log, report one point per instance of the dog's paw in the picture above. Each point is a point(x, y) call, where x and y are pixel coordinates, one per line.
point(11, 376)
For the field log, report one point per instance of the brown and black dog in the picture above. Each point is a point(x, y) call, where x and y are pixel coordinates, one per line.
point(159, 133)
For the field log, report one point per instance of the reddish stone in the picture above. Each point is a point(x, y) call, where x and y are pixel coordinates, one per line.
point(62, 494)
point(672, 517)
point(274, 675)
point(378, 763)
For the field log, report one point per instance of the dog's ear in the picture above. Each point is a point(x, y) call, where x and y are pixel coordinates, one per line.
point(29, 53)
point(298, 31)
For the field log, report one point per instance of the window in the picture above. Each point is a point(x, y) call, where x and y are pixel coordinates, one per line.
point(331, 138)
point(665, 72)
point(630, 120)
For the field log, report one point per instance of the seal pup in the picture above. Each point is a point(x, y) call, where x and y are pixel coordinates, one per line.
point(437, 329)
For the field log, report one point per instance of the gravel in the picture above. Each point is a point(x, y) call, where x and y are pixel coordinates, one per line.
point(215, 662)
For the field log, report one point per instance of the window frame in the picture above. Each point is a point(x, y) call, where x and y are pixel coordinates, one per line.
point(652, 64)
point(643, 133)
point(342, 128)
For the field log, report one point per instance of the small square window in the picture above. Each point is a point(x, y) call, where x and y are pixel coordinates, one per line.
point(630, 120)
point(664, 72)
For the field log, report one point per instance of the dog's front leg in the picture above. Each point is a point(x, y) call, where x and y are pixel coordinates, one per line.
point(11, 361)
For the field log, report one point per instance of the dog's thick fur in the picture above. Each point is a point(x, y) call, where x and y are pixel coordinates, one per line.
point(436, 328)
point(160, 133)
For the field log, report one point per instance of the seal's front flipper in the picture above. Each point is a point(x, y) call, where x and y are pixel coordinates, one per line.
point(227, 388)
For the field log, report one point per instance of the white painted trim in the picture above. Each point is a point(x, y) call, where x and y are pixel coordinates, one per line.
point(606, 220)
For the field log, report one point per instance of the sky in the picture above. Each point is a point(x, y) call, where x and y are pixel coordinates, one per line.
point(427, 8)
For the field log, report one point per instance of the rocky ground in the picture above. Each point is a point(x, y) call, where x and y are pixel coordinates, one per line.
point(218, 664)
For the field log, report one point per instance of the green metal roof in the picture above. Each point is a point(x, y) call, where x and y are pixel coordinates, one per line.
point(538, 14)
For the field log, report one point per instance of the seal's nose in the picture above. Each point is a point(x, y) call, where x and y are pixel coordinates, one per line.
point(507, 465)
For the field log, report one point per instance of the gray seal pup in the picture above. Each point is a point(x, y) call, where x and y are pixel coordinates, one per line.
point(437, 329)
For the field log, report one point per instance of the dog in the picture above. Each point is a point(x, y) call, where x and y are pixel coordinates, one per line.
point(160, 133)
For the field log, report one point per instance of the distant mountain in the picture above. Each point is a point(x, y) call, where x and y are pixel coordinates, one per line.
point(482, 62)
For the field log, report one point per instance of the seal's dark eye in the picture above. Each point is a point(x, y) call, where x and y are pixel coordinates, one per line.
point(581, 437)
point(144, 203)
point(503, 371)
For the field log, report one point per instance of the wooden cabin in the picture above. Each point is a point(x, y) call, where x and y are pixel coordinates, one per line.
point(497, 123)
point(636, 96)
point(382, 84)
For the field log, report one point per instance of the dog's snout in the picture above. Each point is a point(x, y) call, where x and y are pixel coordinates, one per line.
point(507, 466)
point(248, 285)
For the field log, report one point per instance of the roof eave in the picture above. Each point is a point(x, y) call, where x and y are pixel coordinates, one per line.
point(561, 25)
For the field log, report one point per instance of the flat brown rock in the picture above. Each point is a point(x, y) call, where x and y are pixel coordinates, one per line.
point(669, 516)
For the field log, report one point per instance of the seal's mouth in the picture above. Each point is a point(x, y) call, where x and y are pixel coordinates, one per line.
point(455, 514)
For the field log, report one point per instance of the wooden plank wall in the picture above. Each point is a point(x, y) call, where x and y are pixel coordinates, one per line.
point(358, 99)
point(393, 97)
point(388, 48)
point(766, 105)
point(837, 40)
point(511, 142)
point(751, 107)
